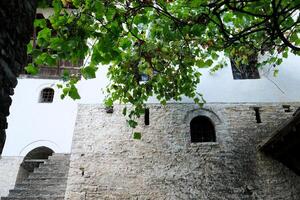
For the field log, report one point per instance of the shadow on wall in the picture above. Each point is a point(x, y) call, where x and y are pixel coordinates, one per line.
point(32, 160)
point(2, 140)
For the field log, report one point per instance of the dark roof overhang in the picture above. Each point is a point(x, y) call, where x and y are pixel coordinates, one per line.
point(284, 143)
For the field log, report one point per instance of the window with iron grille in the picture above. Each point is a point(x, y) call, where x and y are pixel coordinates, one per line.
point(202, 130)
point(47, 95)
point(245, 71)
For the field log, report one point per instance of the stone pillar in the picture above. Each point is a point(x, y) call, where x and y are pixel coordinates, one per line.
point(16, 22)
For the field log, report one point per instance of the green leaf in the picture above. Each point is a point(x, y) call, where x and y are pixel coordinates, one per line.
point(125, 43)
point(73, 93)
point(57, 6)
point(29, 48)
point(214, 55)
point(110, 13)
point(89, 72)
point(132, 123)
point(109, 102)
point(66, 75)
point(227, 17)
point(275, 72)
point(59, 86)
point(44, 36)
point(279, 61)
point(99, 8)
point(41, 23)
point(31, 69)
point(209, 62)
point(137, 135)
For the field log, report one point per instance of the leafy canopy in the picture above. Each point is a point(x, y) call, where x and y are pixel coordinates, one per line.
point(168, 41)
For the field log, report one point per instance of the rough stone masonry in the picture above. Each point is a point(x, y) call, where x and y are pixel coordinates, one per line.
point(106, 163)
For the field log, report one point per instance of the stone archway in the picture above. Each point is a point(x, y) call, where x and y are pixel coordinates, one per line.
point(32, 160)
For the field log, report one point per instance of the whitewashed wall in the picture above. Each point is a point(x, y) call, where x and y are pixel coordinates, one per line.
point(33, 124)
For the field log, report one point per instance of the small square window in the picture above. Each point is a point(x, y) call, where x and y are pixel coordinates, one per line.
point(47, 95)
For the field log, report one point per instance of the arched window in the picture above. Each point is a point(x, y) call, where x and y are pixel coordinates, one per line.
point(202, 130)
point(47, 95)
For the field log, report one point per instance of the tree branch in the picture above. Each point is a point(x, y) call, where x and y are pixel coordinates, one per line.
point(278, 30)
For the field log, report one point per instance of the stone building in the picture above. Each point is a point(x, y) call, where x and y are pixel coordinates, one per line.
point(64, 149)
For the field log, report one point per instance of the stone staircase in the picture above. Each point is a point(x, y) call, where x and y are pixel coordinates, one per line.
point(48, 181)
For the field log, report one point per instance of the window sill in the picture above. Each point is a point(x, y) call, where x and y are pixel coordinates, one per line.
point(204, 144)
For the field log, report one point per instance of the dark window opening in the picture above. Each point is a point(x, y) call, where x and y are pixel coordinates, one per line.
point(245, 71)
point(257, 114)
point(47, 95)
point(202, 130)
point(287, 108)
point(147, 118)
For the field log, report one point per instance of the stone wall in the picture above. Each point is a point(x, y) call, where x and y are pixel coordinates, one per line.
point(16, 22)
point(9, 168)
point(106, 163)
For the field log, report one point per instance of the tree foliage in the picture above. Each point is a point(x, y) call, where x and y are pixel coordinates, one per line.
point(168, 41)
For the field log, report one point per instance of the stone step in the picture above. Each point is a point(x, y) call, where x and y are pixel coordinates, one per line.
point(47, 182)
point(39, 186)
point(48, 175)
point(44, 180)
point(54, 168)
point(56, 197)
point(51, 170)
point(57, 160)
point(54, 164)
point(36, 192)
point(59, 156)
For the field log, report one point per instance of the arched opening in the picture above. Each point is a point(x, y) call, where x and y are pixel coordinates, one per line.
point(47, 95)
point(2, 140)
point(32, 160)
point(202, 130)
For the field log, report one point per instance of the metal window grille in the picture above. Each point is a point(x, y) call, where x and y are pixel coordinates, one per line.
point(202, 130)
point(47, 95)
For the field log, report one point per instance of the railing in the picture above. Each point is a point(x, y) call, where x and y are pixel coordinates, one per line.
point(56, 71)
